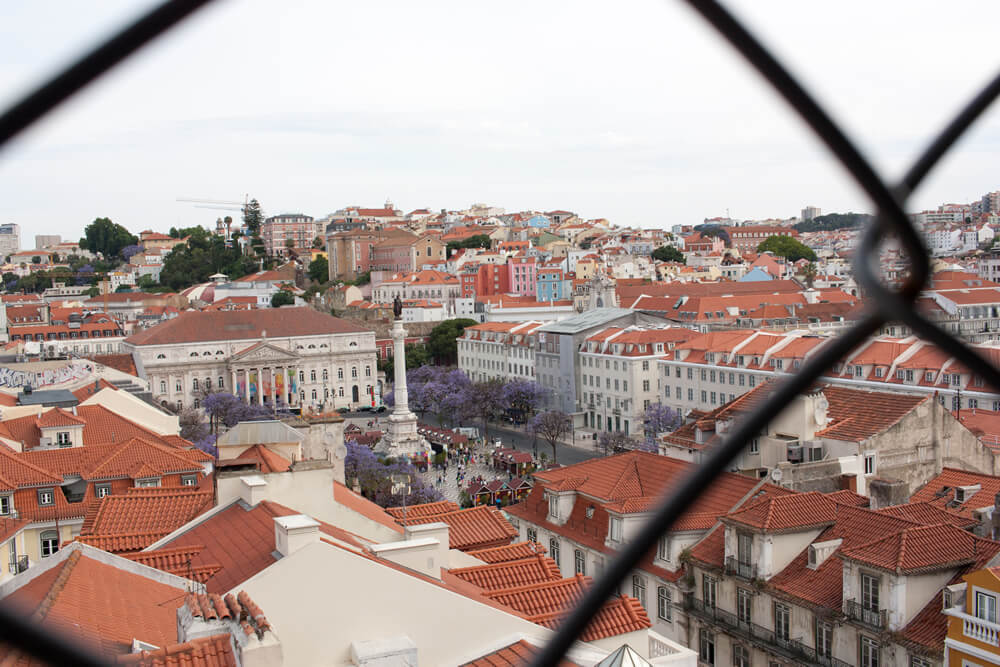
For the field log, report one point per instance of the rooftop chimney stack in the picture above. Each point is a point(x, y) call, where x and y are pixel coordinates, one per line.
point(207, 615)
point(291, 533)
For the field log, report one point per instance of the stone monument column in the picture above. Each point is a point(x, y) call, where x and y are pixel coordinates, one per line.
point(399, 391)
point(401, 437)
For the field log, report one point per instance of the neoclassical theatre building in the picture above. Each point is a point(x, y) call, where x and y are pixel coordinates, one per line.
point(297, 356)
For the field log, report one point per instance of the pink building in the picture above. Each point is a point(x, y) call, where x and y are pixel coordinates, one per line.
point(522, 274)
point(278, 230)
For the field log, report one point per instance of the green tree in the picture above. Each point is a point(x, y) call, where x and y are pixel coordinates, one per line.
point(809, 273)
point(282, 298)
point(319, 270)
point(202, 255)
point(318, 243)
point(145, 282)
point(785, 246)
point(477, 241)
point(253, 217)
point(106, 237)
point(668, 253)
point(832, 221)
point(416, 356)
point(36, 260)
point(442, 342)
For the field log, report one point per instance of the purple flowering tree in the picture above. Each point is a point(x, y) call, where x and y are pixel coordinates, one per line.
point(130, 250)
point(230, 410)
point(612, 442)
point(486, 401)
point(376, 478)
point(522, 398)
point(657, 419)
point(207, 444)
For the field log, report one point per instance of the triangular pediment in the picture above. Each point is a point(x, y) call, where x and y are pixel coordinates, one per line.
point(264, 352)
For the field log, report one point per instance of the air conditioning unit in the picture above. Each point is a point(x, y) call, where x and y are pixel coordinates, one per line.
point(794, 454)
point(814, 451)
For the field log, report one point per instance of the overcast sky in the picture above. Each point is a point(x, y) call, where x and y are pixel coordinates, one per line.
point(633, 111)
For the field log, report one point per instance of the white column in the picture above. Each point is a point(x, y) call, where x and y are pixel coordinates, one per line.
point(400, 394)
point(260, 385)
point(233, 387)
point(274, 388)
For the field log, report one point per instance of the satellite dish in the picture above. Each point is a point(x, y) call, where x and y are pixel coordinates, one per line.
point(776, 474)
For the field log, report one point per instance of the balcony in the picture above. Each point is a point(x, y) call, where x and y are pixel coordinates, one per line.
point(873, 618)
point(18, 564)
point(976, 628)
point(763, 638)
point(736, 568)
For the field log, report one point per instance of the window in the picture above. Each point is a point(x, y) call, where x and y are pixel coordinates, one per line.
point(917, 661)
point(869, 464)
point(645, 385)
point(744, 605)
point(753, 380)
point(709, 585)
point(824, 639)
point(554, 506)
point(177, 386)
point(616, 529)
point(46, 497)
point(102, 490)
point(49, 543)
point(664, 610)
point(741, 656)
point(326, 375)
point(148, 483)
point(62, 439)
point(663, 548)
point(314, 394)
point(163, 386)
point(368, 371)
point(869, 652)
point(532, 535)
point(869, 592)
point(782, 621)
point(5, 505)
point(312, 375)
point(194, 384)
point(755, 446)
point(639, 588)
point(986, 607)
point(579, 562)
point(189, 480)
point(744, 550)
point(340, 373)
point(706, 646)
point(354, 371)
point(554, 549)
point(645, 365)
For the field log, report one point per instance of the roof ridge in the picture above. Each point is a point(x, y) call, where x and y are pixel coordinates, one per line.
point(57, 586)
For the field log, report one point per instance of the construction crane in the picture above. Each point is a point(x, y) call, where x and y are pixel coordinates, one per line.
point(221, 205)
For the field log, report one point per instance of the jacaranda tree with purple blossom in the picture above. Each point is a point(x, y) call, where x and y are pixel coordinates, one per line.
point(658, 418)
point(486, 401)
point(522, 398)
point(375, 478)
point(230, 410)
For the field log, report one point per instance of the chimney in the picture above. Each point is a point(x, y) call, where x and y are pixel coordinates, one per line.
point(291, 533)
point(205, 615)
point(423, 549)
point(254, 489)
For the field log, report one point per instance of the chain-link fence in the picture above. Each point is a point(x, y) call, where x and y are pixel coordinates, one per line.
point(884, 304)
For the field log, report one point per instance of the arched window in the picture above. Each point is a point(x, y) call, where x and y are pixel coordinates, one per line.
point(161, 356)
point(326, 375)
point(340, 373)
point(340, 392)
point(222, 384)
point(354, 371)
point(194, 384)
point(163, 386)
point(312, 375)
point(368, 371)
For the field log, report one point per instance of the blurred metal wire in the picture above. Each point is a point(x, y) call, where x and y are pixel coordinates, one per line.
point(887, 305)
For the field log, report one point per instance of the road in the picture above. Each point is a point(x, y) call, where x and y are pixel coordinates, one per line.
point(509, 438)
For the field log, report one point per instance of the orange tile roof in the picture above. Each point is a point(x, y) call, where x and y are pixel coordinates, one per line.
point(58, 417)
point(857, 415)
point(532, 570)
point(241, 540)
point(472, 528)
point(917, 549)
point(267, 460)
point(120, 362)
point(776, 514)
point(152, 513)
point(86, 391)
point(196, 327)
point(176, 561)
point(214, 651)
point(940, 491)
point(426, 509)
point(518, 654)
point(102, 606)
point(507, 553)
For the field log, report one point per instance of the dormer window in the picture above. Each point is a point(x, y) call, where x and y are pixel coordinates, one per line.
point(46, 497)
point(590, 512)
point(5, 505)
point(554, 506)
point(62, 439)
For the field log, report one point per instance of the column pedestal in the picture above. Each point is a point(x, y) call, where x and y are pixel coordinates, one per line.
point(401, 437)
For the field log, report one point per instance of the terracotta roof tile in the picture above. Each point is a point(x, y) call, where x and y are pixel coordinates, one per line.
point(940, 491)
point(102, 606)
point(176, 561)
point(473, 528)
point(857, 415)
point(518, 654)
point(267, 460)
point(214, 651)
point(507, 553)
point(929, 514)
point(425, 509)
point(917, 549)
point(194, 326)
point(154, 512)
point(58, 417)
point(535, 569)
point(776, 514)
point(124, 363)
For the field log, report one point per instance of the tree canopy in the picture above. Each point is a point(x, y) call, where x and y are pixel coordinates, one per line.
point(282, 298)
point(552, 426)
point(319, 270)
point(442, 342)
point(106, 237)
point(785, 246)
point(204, 254)
point(668, 253)
point(477, 241)
point(253, 217)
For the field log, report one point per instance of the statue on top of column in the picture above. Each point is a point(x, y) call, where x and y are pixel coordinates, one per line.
point(397, 307)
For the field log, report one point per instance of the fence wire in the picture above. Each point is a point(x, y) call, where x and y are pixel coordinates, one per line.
point(885, 304)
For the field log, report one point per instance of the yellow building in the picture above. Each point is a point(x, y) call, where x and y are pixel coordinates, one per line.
point(973, 638)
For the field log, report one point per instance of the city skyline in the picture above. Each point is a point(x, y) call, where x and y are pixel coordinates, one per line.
point(643, 117)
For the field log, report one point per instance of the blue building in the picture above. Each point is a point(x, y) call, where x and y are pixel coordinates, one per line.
point(552, 286)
